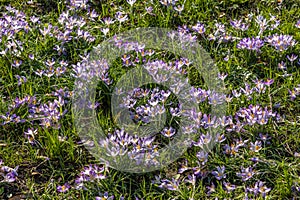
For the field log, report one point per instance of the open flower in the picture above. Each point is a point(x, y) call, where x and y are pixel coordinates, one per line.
point(63, 188)
point(220, 173)
point(256, 147)
point(30, 135)
point(168, 132)
point(246, 173)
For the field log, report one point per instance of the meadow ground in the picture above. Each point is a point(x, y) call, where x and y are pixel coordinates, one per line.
point(250, 150)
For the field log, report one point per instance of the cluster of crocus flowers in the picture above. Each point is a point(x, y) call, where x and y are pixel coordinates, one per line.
point(78, 4)
point(11, 118)
point(47, 114)
point(255, 114)
point(239, 25)
point(90, 174)
point(258, 188)
point(52, 69)
point(173, 4)
point(265, 24)
point(250, 43)
point(73, 26)
point(138, 149)
point(12, 22)
point(172, 184)
point(84, 70)
point(281, 42)
point(154, 98)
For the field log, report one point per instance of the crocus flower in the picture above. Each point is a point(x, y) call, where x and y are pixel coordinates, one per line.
point(262, 188)
point(298, 24)
point(292, 57)
point(220, 173)
point(199, 28)
point(202, 157)
point(105, 196)
point(246, 173)
point(30, 135)
point(255, 146)
point(63, 188)
point(168, 132)
point(229, 187)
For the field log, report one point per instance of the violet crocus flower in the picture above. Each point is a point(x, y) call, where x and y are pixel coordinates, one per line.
point(202, 157)
point(78, 4)
point(269, 82)
point(216, 98)
point(298, 24)
point(293, 93)
point(220, 138)
point(121, 16)
point(10, 177)
point(264, 137)
point(34, 19)
point(199, 28)
point(9, 174)
point(229, 187)
point(30, 135)
point(168, 132)
point(63, 188)
point(231, 150)
point(247, 90)
point(131, 2)
point(208, 121)
point(236, 93)
point(204, 139)
point(220, 173)
point(92, 14)
point(211, 189)
point(31, 56)
point(222, 76)
point(21, 79)
point(292, 57)
point(108, 21)
point(17, 63)
point(105, 196)
point(90, 174)
point(246, 173)
point(262, 23)
point(149, 10)
point(172, 185)
point(105, 31)
point(179, 8)
point(184, 167)
point(262, 188)
point(46, 30)
point(282, 65)
point(255, 159)
point(191, 179)
point(256, 147)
